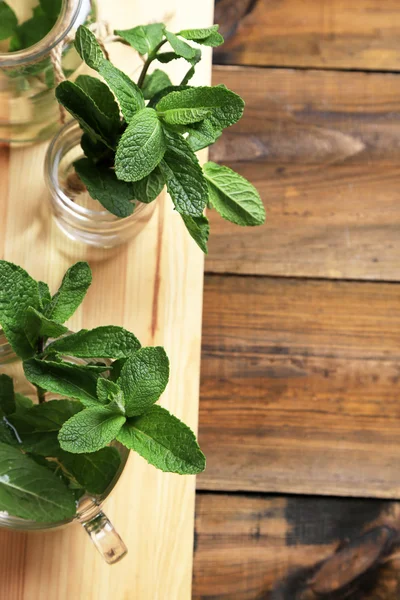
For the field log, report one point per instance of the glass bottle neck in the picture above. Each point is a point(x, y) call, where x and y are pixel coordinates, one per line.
point(68, 15)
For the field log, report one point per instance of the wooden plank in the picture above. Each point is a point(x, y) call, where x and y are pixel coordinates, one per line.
point(299, 389)
point(323, 149)
point(153, 287)
point(295, 548)
point(362, 34)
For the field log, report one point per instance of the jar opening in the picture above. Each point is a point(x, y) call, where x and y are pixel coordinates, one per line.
point(66, 20)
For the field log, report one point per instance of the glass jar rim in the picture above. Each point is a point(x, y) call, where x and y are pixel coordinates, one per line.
point(67, 138)
point(65, 22)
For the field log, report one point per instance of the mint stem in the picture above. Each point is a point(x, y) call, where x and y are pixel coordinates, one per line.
point(148, 62)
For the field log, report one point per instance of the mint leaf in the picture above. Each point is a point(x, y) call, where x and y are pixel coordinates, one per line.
point(86, 112)
point(90, 430)
point(18, 291)
point(167, 57)
point(101, 94)
point(109, 391)
point(38, 326)
point(185, 180)
point(154, 83)
point(164, 441)
point(51, 7)
point(62, 378)
point(235, 198)
point(199, 229)
point(88, 47)
point(173, 88)
point(180, 47)
point(8, 21)
point(46, 417)
point(96, 150)
point(208, 36)
point(102, 184)
point(141, 147)
point(144, 38)
point(150, 187)
point(222, 105)
point(143, 379)
point(7, 435)
point(202, 135)
point(109, 341)
point(41, 444)
point(44, 294)
point(7, 398)
point(30, 491)
point(95, 471)
point(29, 33)
point(71, 293)
point(128, 94)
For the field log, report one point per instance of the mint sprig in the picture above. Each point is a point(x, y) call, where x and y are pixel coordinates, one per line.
point(59, 449)
point(159, 127)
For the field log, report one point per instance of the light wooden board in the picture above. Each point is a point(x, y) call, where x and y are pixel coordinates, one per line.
point(361, 34)
point(299, 386)
point(322, 148)
point(154, 288)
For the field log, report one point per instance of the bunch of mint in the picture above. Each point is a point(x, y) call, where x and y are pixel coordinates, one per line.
point(137, 138)
point(103, 388)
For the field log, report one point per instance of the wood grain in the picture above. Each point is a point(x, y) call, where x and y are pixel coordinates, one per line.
point(323, 150)
point(299, 388)
point(277, 548)
point(362, 34)
point(154, 288)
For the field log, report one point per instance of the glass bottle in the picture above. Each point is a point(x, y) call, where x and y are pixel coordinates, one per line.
point(77, 215)
point(29, 111)
point(89, 510)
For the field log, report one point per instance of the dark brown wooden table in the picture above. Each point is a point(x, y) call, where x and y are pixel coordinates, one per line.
point(300, 407)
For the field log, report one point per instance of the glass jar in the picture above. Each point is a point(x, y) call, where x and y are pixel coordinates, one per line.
point(79, 216)
point(89, 510)
point(29, 111)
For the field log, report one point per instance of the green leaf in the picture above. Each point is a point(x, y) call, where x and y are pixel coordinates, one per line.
point(208, 36)
point(143, 379)
point(46, 417)
point(108, 341)
point(7, 398)
point(167, 57)
point(185, 180)
point(102, 184)
point(88, 47)
point(71, 293)
point(199, 229)
point(90, 430)
point(141, 147)
point(154, 83)
point(101, 94)
point(223, 106)
point(96, 150)
point(51, 7)
point(41, 444)
point(62, 378)
point(95, 471)
point(164, 441)
point(7, 434)
point(18, 291)
point(29, 33)
point(8, 21)
point(86, 112)
point(39, 326)
point(202, 135)
point(144, 38)
point(180, 47)
point(128, 94)
point(174, 88)
point(30, 491)
point(150, 187)
point(44, 294)
point(235, 198)
point(109, 391)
